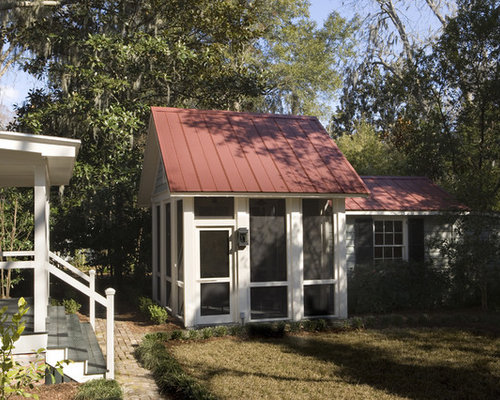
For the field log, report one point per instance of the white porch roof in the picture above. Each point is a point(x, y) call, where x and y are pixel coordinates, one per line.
point(21, 153)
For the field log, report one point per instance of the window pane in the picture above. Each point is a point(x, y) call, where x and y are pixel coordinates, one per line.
point(388, 226)
point(169, 293)
point(389, 238)
point(317, 239)
point(398, 238)
point(180, 241)
point(379, 239)
point(398, 252)
point(378, 252)
point(168, 243)
point(387, 252)
point(214, 298)
point(269, 302)
point(214, 207)
point(318, 300)
point(214, 254)
point(398, 226)
point(267, 240)
point(379, 226)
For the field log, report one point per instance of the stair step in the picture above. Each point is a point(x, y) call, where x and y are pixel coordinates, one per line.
point(77, 350)
point(96, 363)
point(57, 328)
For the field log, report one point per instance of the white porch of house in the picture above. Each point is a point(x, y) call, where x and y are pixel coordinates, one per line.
point(41, 162)
point(234, 289)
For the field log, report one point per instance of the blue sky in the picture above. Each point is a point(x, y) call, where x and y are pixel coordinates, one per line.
point(15, 85)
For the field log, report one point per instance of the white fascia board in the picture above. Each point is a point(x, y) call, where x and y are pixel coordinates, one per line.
point(47, 146)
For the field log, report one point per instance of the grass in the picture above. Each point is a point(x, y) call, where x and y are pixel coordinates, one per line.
point(418, 363)
point(99, 389)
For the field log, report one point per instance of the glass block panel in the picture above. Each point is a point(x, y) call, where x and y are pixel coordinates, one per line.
point(168, 241)
point(267, 240)
point(169, 293)
point(398, 226)
point(215, 298)
point(319, 300)
point(389, 226)
point(269, 302)
point(398, 252)
point(214, 254)
point(317, 239)
point(214, 207)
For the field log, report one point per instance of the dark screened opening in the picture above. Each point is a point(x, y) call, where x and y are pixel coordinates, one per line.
point(158, 289)
point(215, 298)
point(269, 302)
point(214, 207)
point(169, 293)
point(318, 300)
point(168, 242)
point(180, 241)
point(180, 300)
point(318, 239)
point(214, 252)
point(158, 239)
point(268, 240)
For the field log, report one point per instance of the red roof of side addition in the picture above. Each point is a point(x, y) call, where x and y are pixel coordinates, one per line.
point(403, 193)
point(222, 151)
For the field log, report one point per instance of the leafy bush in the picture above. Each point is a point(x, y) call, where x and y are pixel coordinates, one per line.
point(71, 306)
point(99, 389)
point(388, 287)
point(167, 372)
point(144, 303)
point(157, 314)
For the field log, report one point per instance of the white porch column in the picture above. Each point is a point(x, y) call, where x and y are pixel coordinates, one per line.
point(191, 286)
point(340, 257)
point(296, 259)
point(41, 274)
point(242, 269)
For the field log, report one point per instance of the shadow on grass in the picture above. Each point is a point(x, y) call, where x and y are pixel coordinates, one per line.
point(386, 371)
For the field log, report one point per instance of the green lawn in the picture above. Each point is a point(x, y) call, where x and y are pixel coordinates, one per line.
point(370, 364)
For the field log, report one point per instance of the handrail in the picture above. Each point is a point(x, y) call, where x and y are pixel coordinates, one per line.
point(107, 302)
point(67, 265)
point(29, 253)
point(17, 264)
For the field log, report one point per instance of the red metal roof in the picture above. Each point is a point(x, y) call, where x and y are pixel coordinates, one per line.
point(403, 193)
point(222, 151)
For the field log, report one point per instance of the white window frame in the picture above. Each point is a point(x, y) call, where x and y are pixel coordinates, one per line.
point(404, 246)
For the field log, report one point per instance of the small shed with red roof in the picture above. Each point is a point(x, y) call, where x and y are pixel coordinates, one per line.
point(398, 220)
point(248, 216)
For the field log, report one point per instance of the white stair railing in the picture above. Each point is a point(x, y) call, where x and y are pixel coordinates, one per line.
point(107, 302)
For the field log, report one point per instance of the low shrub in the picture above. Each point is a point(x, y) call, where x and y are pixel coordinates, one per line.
point(168, 373)
point(144, 303)
point(99, 389)
point(157, 314)
point(71, 306)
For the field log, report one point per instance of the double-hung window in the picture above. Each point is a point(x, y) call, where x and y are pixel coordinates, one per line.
point(388, 243)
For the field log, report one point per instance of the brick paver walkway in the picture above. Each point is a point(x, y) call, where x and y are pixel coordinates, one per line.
point(137, 383)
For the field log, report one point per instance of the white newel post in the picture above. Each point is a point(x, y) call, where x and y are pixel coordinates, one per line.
point(110, 333)
point(91, 298)
point(41, 274)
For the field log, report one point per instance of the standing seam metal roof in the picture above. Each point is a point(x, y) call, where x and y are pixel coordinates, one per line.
point(224, 151)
